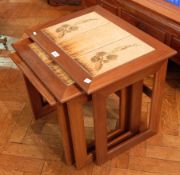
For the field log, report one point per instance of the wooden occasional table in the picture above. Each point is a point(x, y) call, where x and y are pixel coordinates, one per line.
point(103, 55)
point(68, 101)
point(59, 91)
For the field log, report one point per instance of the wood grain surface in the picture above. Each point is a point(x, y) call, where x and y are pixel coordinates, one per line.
point(163, 8)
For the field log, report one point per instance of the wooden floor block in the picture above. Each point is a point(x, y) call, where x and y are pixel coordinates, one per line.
point(121, 161)
point(33, 151)
point(169, 115)
point(138, 150)
point(55, 168)
point(165, 140)
point(4, 171)
point(154, 165)
point(22, 125)
point(103, 170)
point(117, 171)
point(165, 153)
point(17, 163)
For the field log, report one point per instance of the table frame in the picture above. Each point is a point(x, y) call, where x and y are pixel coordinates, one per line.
point(103, 152)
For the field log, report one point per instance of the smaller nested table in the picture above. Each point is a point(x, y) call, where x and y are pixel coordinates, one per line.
point(87, 56)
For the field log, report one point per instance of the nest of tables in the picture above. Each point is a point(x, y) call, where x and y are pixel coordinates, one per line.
point(86, 57)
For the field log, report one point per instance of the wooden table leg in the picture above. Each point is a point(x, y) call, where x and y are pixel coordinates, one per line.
point(100, 126)
point(75, 112)
point(121, 124)
point(63, 120)
point(134, 107)
point(39, 108)
point(157, 95)
point(122, 108)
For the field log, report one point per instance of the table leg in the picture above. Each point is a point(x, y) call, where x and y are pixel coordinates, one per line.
point(76, 119)
point(39, 108)
point(122, 108)
point(100, 126)
point(134, 107)
point(63, 120)
point(157, 95)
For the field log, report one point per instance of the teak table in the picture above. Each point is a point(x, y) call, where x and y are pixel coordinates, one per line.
point(87, 56)
point(70, 115)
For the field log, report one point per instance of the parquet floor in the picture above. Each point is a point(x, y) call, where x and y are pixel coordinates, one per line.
point(29, 147)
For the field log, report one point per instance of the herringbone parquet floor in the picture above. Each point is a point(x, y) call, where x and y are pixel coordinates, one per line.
point(29, 147)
